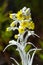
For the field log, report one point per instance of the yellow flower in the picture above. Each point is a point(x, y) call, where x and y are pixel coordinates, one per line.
point(24, 24)
point(7, 29)
point(21, 30)
point(10, 16)
point(31, 25)
point(15, 36)
point(12, 24)
point(19, 15)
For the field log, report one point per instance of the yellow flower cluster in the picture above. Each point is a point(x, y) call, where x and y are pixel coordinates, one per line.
point(23, 17)
point(26, 24)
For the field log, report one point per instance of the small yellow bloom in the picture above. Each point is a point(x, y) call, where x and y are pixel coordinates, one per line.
point(31, 25)
point(7, 29)
point(21, 30)
point(15, 36)
point(12, 24)
point(10, 16)
point(19, 15)
point(24, 24)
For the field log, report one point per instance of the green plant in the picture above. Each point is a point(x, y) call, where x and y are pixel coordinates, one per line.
point(22, 22)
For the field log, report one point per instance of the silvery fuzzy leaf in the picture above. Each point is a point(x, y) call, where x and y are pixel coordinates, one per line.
point(31, 59)
point(12, 64)
point(31, 44)
point(29, 34)
point(24, 9)
point(23, 56)
point(14, 60)
point(11, 43)
point(12, 28)
point(14, 16)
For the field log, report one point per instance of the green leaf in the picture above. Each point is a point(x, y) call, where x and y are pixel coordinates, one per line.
point(41, 43)
point(1, 47)
point(41, 56)
point(27, 48)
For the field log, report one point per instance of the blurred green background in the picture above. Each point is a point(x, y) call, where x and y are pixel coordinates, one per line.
point(12, 6)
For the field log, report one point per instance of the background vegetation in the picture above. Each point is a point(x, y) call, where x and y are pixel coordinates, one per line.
point(12, 6)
